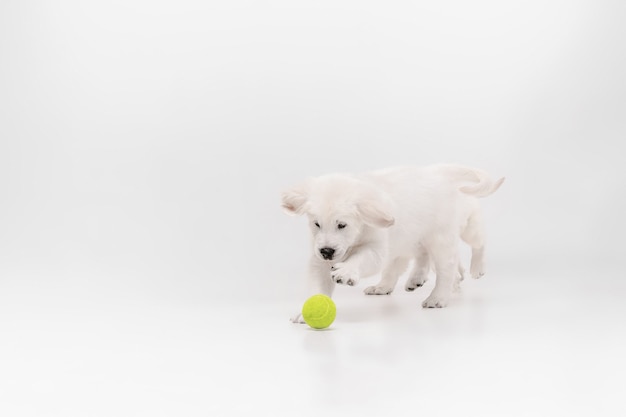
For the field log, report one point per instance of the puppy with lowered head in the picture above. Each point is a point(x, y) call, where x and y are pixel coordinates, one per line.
point(379, 221)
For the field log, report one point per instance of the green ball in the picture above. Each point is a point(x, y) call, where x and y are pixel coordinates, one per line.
point(319, 311)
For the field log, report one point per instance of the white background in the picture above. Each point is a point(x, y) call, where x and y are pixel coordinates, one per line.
point(144, 146)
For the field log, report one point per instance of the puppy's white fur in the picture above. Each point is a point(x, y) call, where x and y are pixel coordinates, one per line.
point(383, 219)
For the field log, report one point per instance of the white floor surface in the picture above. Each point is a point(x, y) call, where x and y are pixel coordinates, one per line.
point(511, 344)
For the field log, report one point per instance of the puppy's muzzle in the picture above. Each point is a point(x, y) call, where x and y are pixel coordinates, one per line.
point(327, 253)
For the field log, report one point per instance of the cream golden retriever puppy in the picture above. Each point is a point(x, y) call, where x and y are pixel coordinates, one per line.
point(379, 221)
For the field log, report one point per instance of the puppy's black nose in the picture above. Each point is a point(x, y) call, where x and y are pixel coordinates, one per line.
point(327, 253)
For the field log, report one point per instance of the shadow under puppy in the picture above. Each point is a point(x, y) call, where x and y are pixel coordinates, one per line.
point(362, 224)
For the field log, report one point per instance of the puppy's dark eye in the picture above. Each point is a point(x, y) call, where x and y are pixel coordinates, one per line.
point(341, 225)
point(317, 224)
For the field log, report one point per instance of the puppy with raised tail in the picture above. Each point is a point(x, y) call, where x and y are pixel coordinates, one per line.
point(379, 221)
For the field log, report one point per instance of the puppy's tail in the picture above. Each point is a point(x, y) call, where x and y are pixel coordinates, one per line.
point(481, 185)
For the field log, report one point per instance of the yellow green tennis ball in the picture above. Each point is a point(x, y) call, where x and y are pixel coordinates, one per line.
point(319, 311)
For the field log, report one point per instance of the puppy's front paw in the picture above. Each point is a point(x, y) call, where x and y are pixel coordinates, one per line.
point(343, 273)
point(477, 269)
point(378, 290)
point(297, 319)
point(415, 282)
point(436, 300)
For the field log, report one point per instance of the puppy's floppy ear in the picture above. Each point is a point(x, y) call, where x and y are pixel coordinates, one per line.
point(295, 198)
point(376, 208)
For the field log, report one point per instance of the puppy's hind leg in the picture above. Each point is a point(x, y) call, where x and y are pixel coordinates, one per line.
point(446, 259)
point(391, 273)
point(460, 276)
point(419, 275)
point(474, 235)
